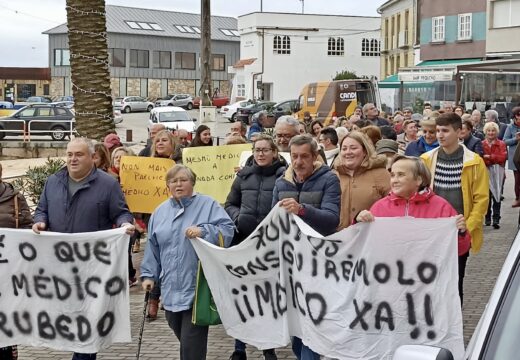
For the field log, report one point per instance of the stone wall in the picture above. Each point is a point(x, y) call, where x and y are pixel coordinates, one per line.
point(33, 149)
point(133, 87)
point(114, 86)
point(225, 87)
point(154, 88)
point(176, 86)
point(57, 86)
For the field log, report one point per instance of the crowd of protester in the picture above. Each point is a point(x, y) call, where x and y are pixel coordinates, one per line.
point(346, 170)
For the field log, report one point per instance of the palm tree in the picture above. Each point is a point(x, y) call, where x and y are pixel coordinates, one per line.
point(90, 73)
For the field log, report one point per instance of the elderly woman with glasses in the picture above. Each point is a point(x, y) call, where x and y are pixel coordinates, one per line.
point(511, 137)
point(170, 256)
point(249, 201)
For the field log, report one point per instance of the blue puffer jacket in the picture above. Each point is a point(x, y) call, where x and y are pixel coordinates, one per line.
point(169, 255)
point(98, 205)
point(320, 194)
point(419, 147)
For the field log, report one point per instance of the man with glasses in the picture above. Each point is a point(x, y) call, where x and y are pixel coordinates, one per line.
point(371, 113)
point(238, 128)
point(286, 128)
point(329, 142)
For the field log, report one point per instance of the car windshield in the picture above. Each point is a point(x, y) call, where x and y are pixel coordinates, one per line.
point(503, 341)
point(168, 97)
point(174, 116)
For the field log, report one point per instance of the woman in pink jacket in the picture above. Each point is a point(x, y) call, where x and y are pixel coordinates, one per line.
point(411, 196)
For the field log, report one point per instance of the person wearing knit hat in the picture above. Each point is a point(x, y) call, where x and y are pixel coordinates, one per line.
point(111, 142)
point(388, 148)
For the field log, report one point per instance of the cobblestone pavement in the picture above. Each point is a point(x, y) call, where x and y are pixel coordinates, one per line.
point(160, 343)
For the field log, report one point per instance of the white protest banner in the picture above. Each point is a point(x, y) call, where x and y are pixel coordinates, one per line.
point(356, 294)
point(64, 291)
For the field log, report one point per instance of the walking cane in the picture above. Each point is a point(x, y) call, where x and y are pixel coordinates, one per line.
point(146, 297)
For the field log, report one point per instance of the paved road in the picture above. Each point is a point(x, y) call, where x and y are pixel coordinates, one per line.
point(160, 343)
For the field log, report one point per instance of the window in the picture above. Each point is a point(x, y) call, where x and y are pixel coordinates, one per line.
point(139, 58)
point(219, 62)
point(180, 28)
point(117, 57)
point(464, 27)
point(140, 25)
point(438, 29)
point(235, 32)
point(370, 47)
point(336, 47)
point(241, 90)
point(185, 60)
point(196, 28)
point(46, 89)
point(162, 59)
point(61, 57)
point(504, 13)
point(282, 45)
point(188, 29)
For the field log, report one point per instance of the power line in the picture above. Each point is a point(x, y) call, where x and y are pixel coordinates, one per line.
point(18, 12)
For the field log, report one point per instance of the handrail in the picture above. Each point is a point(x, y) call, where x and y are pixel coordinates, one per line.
point(27, 130)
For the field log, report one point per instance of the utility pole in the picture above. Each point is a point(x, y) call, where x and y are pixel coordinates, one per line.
point(261, 5)
point(303, 6)
point(205, 53)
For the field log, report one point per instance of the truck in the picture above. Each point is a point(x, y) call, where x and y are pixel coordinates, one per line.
point(327, 99)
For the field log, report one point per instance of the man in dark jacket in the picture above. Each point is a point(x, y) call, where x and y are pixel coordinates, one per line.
point(81, 198)
point(371, 114)
point(310, 190)
point(472, 142)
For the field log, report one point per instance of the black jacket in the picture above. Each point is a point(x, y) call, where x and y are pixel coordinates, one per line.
point(251, 195)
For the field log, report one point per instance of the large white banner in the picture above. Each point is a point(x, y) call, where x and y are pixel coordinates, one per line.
point(357, 294)
point(64, 291)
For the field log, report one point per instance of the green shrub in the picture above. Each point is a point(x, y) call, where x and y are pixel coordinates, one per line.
point(32, 183)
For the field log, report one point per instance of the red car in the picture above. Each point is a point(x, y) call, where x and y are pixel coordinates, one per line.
point(218, 101)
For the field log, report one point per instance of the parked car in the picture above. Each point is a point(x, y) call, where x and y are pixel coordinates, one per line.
point(118, 117)
point(64, 98)
point(230, 111)
point(33, 100)
point(6, 108)
point(495, 337)
point(129, 104)
point(218, 101)
point(285, 108)
point(173, 117)
point(244, 114)
point(39, 119)
point(180, 100)
point(64, 103)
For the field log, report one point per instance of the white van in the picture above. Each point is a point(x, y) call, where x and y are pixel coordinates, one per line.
point(173, 117)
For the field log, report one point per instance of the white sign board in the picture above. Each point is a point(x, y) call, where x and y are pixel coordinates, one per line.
point(64, 291)
point(426, 76)
point(357, 294)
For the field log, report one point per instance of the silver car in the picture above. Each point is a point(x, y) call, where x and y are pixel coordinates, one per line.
point(180, 100)
point(129, 104)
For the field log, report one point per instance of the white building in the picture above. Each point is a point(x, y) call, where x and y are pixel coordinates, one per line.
point(280, 52)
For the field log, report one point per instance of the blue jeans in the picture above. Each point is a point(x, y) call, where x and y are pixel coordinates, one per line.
point(303, 352)
point(79, 356)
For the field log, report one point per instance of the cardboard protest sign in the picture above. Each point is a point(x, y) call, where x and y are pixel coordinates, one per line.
point(214, 167)
point(64, 291)
point(356, 294)
point(143, 180)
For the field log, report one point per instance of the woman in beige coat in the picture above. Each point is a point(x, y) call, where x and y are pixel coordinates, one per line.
point(363, 176)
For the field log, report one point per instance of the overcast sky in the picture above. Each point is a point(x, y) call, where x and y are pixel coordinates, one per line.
point(22, 22)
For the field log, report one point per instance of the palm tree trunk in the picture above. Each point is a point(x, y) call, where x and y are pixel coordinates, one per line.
point(90, 73)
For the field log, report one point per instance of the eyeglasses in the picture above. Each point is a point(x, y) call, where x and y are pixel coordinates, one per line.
point(263, 151)
point(284, 136)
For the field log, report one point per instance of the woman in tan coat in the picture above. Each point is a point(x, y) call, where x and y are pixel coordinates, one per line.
point(363, 176)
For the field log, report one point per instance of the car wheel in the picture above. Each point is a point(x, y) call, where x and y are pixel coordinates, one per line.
point(127, 109)
point(58, 133)
point(233, 118)
point(189, 106)
point(149, 108)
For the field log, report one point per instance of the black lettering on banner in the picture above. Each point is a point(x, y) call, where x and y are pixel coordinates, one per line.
point(289, 256)
point(62, 327)
point(86, 255)
point(259, 236)
point(27, 251)
point(285, 223)
point(19, 284)
point(382, 273)
point(273, 236)
point(400, 277)
point(106, 323)
point(63, 251)
point(428, 315)
point(272, 257)
point(114, 286)
point(238, 271)
point(360, 315)
point(281, 298)
point(346, 266)
point(2, 245)
point(298, 286)
point(62, 288)
point(45, 328)
point(28, 324)
point(240, 313)
point(330, 247)
point(322, 304)
point(40, 285)
point(3, 323)
point(330, 269)
point(427, 272)
point(84, 329)
point(414, 334)
point(360, 268)
point(257, 264)
point(388, 318)
point(87, 286)
point(314, 263)
point(246, 301)
point(100, 252)
point(265, 295)
point(78, 283)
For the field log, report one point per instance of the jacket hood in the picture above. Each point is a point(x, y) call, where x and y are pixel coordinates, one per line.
point(420, 196)
point(7, 191)
point(374, 162)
